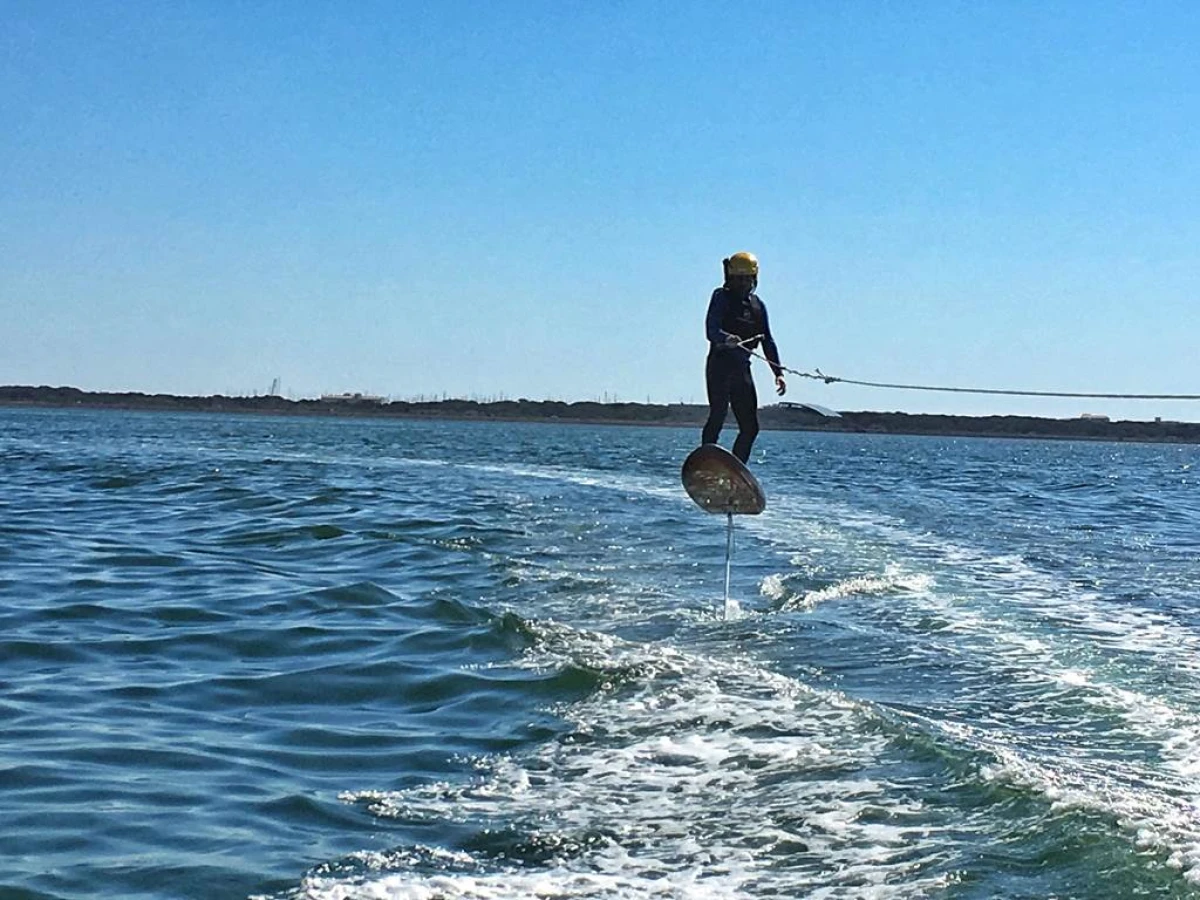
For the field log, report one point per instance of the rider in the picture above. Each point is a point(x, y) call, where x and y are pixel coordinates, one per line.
point(736, 322)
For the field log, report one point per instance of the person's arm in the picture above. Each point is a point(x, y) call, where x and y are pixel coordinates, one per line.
point(712, 322)
point(771, 352)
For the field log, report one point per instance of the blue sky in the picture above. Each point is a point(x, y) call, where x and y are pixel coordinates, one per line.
point(533, 199)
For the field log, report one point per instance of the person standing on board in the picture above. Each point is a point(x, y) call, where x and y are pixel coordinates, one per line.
point(735, 324)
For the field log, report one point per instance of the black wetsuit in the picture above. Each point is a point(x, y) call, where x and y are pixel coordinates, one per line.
point(727, 371)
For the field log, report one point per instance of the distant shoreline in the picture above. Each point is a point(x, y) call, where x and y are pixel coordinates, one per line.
point(778, 418)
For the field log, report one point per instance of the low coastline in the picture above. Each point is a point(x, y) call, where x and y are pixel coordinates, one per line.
point(782, 418)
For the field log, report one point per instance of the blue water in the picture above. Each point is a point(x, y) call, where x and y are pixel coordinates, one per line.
point(300, 658)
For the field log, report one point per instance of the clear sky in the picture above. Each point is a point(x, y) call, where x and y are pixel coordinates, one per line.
point(533, 199)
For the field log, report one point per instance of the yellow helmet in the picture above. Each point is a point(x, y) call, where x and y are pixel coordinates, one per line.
point(742, 264)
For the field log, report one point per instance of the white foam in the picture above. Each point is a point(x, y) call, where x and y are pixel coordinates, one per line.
point(701, 778)
point(1060, 640)
point(893, 579)
point(556, 882)
point(1032, 599)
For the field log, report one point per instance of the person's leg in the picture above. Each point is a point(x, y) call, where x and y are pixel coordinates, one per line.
point(716, 380)
point(744, 398)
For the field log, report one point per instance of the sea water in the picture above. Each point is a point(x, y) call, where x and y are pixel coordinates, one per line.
point(362, 658)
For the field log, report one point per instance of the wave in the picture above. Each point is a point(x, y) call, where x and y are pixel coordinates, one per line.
point(893, 580)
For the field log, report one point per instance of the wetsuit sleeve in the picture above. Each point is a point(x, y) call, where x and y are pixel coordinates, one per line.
point(768, 344)
point(716, 312)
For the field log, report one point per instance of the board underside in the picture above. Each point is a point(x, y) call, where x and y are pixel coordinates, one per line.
point(719, 482)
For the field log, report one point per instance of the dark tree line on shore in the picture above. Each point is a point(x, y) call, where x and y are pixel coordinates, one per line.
point(772, 417)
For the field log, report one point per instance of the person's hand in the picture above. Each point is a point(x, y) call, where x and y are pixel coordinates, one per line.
point(780, 385)
point(733, 340)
